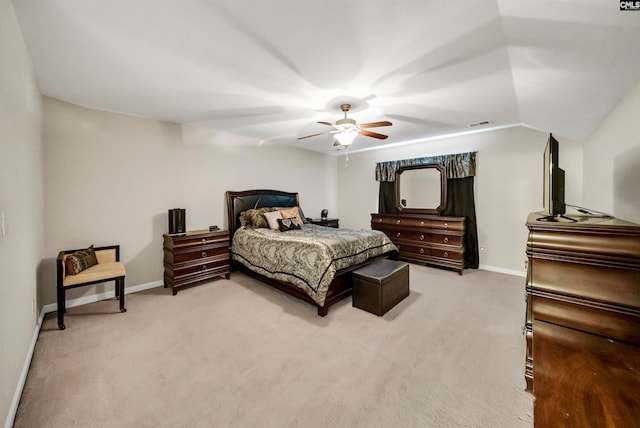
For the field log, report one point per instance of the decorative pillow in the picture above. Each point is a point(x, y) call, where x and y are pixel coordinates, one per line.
point(304, 219)
point(292, 213)
point(80, 260)
point(254, 218)
point(287, 224)
point(272, 218)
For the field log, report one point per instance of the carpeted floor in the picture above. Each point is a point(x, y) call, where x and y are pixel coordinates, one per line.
point(238, 353)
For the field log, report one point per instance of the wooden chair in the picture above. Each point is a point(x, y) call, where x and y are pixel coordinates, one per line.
point(108, 268)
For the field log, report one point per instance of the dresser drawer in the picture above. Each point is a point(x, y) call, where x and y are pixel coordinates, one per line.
point(447, 254)
point(615, 285)
point(412, 236)
point(200, 252)
point(194, 239)
point(446, 239)
point(411, 249)
point(408, 235)
point(206, 266)
point(448, 224)
point(427, 222)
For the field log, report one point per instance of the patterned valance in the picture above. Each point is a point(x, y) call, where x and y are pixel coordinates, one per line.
point(458, 165)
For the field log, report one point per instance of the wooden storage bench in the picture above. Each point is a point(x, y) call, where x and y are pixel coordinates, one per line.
point(380, 286)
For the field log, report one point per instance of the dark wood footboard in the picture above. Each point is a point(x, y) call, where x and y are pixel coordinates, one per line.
point(340, 288)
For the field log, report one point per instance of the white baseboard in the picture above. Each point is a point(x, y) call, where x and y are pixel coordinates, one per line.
point(23, 375)
point(505, 271)
point(52, 308)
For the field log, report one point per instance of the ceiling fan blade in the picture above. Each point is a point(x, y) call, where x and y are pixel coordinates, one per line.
point(375, 124)
point(325, 123)
point(314, 135)
point(372, 134)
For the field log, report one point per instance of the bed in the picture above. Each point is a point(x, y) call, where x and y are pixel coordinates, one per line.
point(313, 264)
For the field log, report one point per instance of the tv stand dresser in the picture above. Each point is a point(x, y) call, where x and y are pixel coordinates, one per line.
point(422, 238)
point(583, 322)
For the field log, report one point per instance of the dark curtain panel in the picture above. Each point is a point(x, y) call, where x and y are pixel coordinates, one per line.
point(387, 198)
point(460, 203)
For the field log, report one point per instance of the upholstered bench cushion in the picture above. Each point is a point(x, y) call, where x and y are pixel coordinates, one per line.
point(107, 270)
point(380, 286)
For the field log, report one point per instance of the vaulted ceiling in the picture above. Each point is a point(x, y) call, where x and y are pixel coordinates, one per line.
point(265, 71)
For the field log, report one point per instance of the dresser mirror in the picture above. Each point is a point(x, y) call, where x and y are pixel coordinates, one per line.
point(421, 189)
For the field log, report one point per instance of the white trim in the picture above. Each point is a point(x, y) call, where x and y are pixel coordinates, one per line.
point(11, 415)
point(432, 138)
point(505, 271)
point(52, 308)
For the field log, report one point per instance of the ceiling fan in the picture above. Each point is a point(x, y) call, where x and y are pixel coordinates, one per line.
point(346, 129)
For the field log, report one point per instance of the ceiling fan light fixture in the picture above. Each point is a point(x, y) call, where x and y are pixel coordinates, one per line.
point(346, 137)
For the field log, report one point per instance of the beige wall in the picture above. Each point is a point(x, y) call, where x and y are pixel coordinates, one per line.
point(508, 186)
point(612, 162)
point(110, 178)
point(21, 200)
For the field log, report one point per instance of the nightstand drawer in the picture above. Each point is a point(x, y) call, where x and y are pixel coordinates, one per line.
point(202, 252)
point(209, 265)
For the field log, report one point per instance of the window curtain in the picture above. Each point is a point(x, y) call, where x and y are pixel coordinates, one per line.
point(460, 169)
point(460, 203)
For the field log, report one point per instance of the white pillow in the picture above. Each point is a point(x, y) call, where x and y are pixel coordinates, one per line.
point(272, 218)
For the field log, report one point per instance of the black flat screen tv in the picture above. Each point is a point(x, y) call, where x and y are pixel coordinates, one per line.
point(553, 189)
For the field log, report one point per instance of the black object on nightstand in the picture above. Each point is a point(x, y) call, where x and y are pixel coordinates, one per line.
point(330, 222)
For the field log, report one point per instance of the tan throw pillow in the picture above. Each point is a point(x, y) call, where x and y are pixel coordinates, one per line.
point(292, 213)
point(272, 219)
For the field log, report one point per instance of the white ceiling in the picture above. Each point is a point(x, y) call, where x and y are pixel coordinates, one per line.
point(264, 71)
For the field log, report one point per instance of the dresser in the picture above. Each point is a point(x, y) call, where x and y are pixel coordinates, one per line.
point(583, 322)
point(428, 239)
point(195, 256)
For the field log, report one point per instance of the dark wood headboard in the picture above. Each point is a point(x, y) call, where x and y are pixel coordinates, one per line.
point(247, 199)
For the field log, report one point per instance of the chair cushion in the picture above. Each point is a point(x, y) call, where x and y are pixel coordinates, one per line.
point(101, 271)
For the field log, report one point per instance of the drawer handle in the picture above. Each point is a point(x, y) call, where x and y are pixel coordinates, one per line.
point(398, 235)
point(446, 239)
point(422, 237)
point(398, 221)
point(379, 220)
point(421, 250)
point(204, 254)
point(204, 241)
point(446, 254)
point(422, 223)
point(446, 225)
point(204, 267)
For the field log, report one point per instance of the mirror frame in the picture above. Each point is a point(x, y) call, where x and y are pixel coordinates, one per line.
point(443, 189)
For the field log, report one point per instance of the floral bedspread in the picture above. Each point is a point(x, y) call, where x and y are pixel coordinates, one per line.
point(308, 257)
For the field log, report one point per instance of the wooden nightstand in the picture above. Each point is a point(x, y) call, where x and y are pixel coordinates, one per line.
point(330, 222)
point(195, 256)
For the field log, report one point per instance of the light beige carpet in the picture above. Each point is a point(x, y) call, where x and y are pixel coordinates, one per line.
point(237, 353)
